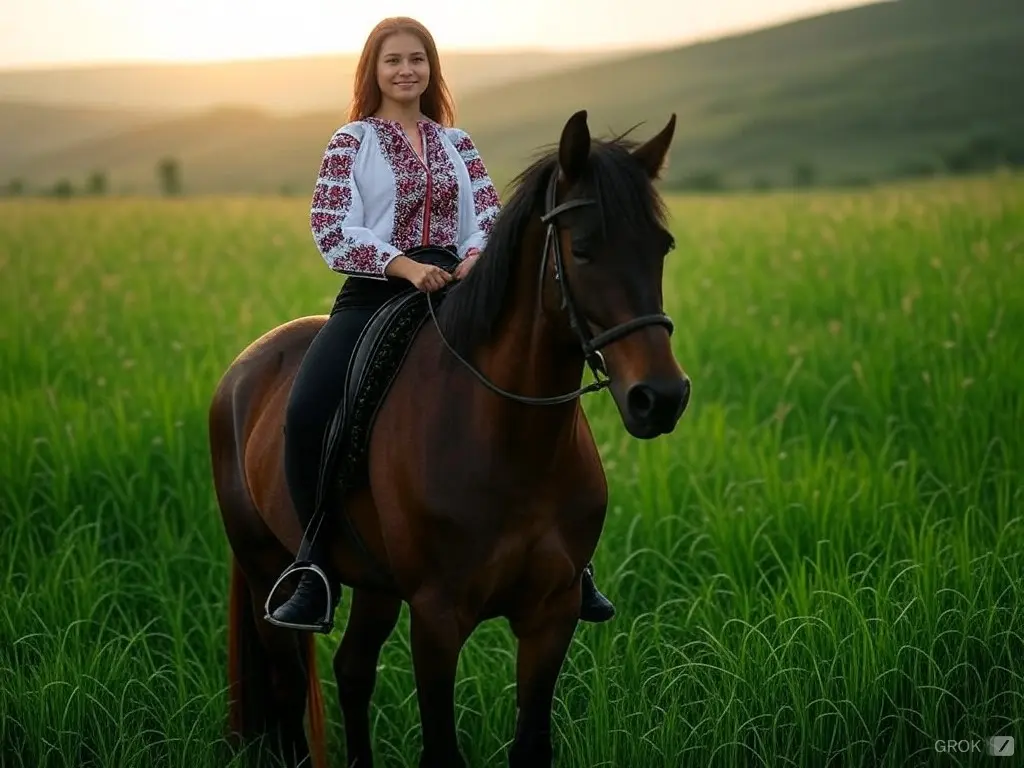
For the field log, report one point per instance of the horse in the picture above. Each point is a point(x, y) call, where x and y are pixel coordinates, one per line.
point(485, 494)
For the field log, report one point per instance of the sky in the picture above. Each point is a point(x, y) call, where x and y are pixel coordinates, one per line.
point(38, 33)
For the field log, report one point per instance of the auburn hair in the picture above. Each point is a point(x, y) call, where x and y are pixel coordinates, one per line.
point(436, 101)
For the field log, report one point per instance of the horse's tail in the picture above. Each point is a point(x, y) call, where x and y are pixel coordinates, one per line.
point(249, 691)
point(249, 683)
point(315, 707)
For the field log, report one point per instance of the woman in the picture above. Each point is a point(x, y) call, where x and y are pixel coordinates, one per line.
point(396, 177)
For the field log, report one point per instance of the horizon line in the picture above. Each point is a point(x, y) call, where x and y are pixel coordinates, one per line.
point(97, 64)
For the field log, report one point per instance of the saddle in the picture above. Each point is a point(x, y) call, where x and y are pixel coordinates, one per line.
point(378, 356)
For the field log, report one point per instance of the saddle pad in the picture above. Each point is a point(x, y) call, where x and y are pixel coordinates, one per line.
point(378, 356)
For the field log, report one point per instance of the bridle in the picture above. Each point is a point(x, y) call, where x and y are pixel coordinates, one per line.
point(590, 344)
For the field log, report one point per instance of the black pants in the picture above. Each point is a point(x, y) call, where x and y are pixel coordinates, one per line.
point(319, 386)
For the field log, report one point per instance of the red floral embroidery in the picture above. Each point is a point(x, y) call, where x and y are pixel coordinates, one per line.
point(333, 196)
point(332, 201)
point(410, 183)
point(444, 195)
point(486, 202)
point(330, 241)
point(342, 140)
point(321, 221)
point(336, 167)
point(358, 257)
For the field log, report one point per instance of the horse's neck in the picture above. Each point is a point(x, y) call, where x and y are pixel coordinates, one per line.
point(529, 355)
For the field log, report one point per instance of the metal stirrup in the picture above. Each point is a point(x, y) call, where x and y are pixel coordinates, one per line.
point(326, 623)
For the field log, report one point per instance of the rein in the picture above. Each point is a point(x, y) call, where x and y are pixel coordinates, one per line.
point(590, 345)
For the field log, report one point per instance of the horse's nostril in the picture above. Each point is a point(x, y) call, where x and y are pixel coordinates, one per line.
point(641, 399)
point(684, 398)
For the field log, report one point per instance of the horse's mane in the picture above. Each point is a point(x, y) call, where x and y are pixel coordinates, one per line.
point(470, 312)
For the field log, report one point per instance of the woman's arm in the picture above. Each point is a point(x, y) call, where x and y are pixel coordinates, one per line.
point(336, 213)
point(486, 203)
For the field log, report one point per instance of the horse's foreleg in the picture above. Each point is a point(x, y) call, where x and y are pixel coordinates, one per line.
point(544, 639)
point(371, 621)
point(437, 635)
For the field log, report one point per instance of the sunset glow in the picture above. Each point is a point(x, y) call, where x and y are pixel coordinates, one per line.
point(42, 32)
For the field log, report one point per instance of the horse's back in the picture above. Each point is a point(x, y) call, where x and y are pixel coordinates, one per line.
point(286, 343)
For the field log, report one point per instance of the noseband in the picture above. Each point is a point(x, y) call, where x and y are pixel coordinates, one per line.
point(590, 344)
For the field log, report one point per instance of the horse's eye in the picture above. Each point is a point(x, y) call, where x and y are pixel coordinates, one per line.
point(581, 250)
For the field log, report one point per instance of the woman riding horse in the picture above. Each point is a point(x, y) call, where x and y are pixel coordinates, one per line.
point(396, 177)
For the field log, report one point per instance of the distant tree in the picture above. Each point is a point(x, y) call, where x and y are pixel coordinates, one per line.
point(62, 189)
point(97, 183)
point(854, 180)
point(916, 169)
point(1015, 154)
point(169, 173)
point(987, 151)
point(804, 175)
point(701, 181)
point(981, 153)
point(15, 187)
point(761, 183)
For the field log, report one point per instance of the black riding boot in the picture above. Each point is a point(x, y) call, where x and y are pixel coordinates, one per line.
point(595, 607)
point(308, 608)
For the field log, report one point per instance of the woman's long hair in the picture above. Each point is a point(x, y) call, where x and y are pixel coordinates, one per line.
point(436, 101)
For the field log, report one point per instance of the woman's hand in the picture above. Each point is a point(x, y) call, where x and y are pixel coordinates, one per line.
point(467, 263)
point(426, 277)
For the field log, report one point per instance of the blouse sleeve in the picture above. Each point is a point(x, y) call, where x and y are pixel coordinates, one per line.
point(336, 214)
point(486, 203)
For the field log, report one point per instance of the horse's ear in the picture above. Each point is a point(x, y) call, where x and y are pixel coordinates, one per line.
point(574, 146)
point(653, 154)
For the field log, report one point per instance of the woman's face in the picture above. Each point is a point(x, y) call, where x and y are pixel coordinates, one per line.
point(402, 69)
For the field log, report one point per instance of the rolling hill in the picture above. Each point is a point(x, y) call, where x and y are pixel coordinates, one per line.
point(29, 131)
point(293, 85)
point(890, 89)
point(872, 91)
point(45, 112)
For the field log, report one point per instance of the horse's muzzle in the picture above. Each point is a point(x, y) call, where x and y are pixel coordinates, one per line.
point(654, 406)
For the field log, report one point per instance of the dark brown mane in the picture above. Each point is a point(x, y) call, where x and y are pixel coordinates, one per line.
point(626, 200)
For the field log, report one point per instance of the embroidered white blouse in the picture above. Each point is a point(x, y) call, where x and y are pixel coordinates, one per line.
point(375, 198)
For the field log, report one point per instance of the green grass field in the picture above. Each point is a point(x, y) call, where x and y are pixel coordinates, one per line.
point(820, 567)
